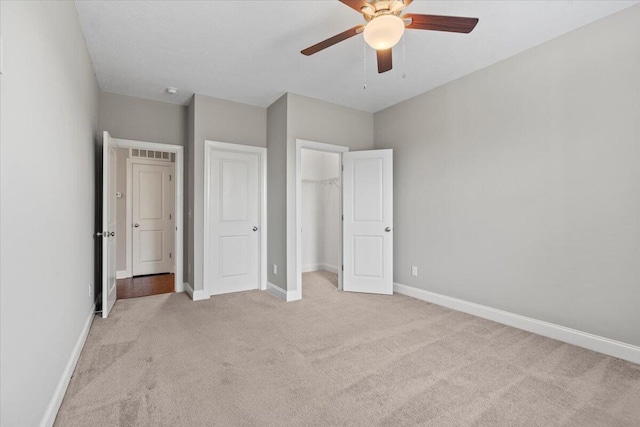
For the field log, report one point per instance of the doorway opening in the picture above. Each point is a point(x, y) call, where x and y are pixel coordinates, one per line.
point(147, 204)
point(317, 174)
point(320, 192)
point(110, 232)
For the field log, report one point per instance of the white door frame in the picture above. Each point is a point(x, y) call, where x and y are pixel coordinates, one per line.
point(262, 161)
point(178, 150)
point(294, 228)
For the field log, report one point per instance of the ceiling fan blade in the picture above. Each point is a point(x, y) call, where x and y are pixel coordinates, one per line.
point(356, 5)
point(384, 60)
point(332, 40)
point(454, 24)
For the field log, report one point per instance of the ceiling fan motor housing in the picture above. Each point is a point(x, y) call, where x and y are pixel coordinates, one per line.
point(377, 8)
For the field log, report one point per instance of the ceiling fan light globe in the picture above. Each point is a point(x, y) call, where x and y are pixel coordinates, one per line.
point(383, 32)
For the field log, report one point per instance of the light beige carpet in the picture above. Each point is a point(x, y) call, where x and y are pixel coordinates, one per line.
point(334, 358)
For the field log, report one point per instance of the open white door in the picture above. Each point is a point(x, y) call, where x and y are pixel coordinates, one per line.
point(368, 221)
point(109, 158)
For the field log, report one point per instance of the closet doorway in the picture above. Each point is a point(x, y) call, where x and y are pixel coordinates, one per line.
point(311, 232)
point(320, 216)
point(365, 230)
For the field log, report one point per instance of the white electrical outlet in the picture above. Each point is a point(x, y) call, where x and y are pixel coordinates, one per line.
point(275, 269)
point(414, 270)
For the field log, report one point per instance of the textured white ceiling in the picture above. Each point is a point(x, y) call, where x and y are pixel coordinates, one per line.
point(249, 51)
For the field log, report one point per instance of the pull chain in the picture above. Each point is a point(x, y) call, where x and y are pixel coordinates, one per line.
point(364, 66)
point(404, 58)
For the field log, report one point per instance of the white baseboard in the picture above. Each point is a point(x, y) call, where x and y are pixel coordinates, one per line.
point(123, 274)
point(180, 287)
point(561, 333)
point(317, 267)
point(330, 268)
point(294, 296)
point(310, 267)
point(188, 289)
point(287, 296)
point(276, 291)
point(200, 295)
point(54, 405)
point(195, 295)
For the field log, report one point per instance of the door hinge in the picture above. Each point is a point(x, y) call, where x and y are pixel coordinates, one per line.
point(343, 217)
point(169, 216)
point(169, 255)
point(169, 177)
point(342, 167)
point(342, 267)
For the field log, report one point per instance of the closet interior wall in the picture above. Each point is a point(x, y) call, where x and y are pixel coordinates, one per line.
point(320, 210)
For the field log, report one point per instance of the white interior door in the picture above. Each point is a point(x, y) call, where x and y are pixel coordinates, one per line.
point(109, 288)
point(368, 221)
point(152, 218)
point(233, 222)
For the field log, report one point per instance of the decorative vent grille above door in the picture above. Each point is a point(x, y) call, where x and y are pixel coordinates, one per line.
point(152, 155)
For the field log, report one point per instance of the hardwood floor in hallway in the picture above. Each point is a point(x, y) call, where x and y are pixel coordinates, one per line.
point(143, 286)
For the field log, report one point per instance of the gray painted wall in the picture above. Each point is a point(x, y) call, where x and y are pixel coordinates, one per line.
point(49, 116)
point(321, 121)
point(276, 195)
point(318, 121)
point(223, 121)
point(518, 186)
point(128, 117)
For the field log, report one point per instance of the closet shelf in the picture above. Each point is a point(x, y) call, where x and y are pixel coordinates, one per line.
point(331, 181)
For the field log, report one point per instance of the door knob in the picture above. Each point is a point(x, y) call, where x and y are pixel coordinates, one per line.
point(388, 229)
point(136, 225)
point(255, 228)
point(113, 233)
